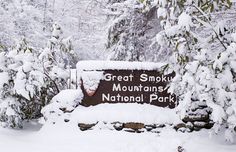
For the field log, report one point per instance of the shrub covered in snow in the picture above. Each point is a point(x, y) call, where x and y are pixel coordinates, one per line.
point(57, 59)
point(203, 57)
point(11, 114)
point(131, 31)
point(21, 85)
point(211, 81)
point(29, 79)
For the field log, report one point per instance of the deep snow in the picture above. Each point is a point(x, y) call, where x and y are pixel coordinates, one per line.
point(129, 112)
point(64, 137)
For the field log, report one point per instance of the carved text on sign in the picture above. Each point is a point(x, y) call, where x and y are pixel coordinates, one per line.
point(132, 86)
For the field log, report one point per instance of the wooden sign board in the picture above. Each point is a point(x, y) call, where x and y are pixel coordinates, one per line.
point(131, 86)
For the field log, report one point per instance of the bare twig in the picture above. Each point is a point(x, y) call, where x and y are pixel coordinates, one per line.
point(47, 75)
point(209, 22)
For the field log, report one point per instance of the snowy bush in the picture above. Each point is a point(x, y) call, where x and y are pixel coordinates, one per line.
point(202, 57)
point(58, 58)
point(11, 114)
point(20, 85)
point(30, 79)
point(62, 104)
point(130, 31)
point(212, 82)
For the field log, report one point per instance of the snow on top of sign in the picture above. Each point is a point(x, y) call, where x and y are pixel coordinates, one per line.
point(118, 65)
point(129, 112)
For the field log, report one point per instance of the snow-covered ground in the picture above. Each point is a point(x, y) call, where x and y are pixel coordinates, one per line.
point(65, 137)
point(129, 112)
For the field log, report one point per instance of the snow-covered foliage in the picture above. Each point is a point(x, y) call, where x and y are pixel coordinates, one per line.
point(30, 79)
point(58, 58)
point(83, 20)
point(10, 113)
point(211, 81)
point(188, 26)
point(21, 85)
point(130, 31)
point(129, 22)
point(202, 56)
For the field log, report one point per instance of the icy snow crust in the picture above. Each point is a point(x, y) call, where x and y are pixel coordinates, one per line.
point(130, 112)
point(117, 65)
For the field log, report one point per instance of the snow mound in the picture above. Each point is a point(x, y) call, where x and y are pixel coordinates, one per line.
point(65, 101)
point(68, 97)
point(130, 112)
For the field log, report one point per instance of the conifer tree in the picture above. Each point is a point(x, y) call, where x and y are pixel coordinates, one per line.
point(30, 79)
point(201, 57)
point(127, 34)
point(57, 59)
point(21, 85)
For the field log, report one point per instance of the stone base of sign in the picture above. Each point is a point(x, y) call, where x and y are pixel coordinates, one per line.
point(193, 126)
point(84, 126)
point(197, 117)
point(134, 127)
point(155, 128)
point(118, 126)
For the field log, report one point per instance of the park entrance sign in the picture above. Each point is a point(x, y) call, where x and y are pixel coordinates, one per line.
point(124, 82)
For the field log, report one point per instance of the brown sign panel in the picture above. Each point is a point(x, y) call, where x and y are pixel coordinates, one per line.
point(131, 86)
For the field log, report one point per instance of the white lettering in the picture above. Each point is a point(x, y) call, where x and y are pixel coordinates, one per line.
point(153, 97)
point(105, 98)
point(116, 87)
point(143, 77)
point(107, 77)
point(110, 77)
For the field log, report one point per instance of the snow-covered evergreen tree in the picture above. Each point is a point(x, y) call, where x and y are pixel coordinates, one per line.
point(130, 31)
point(200, 57)
point(58, 58)
point(10, 113)
point(30, 79)
point(21, 87)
